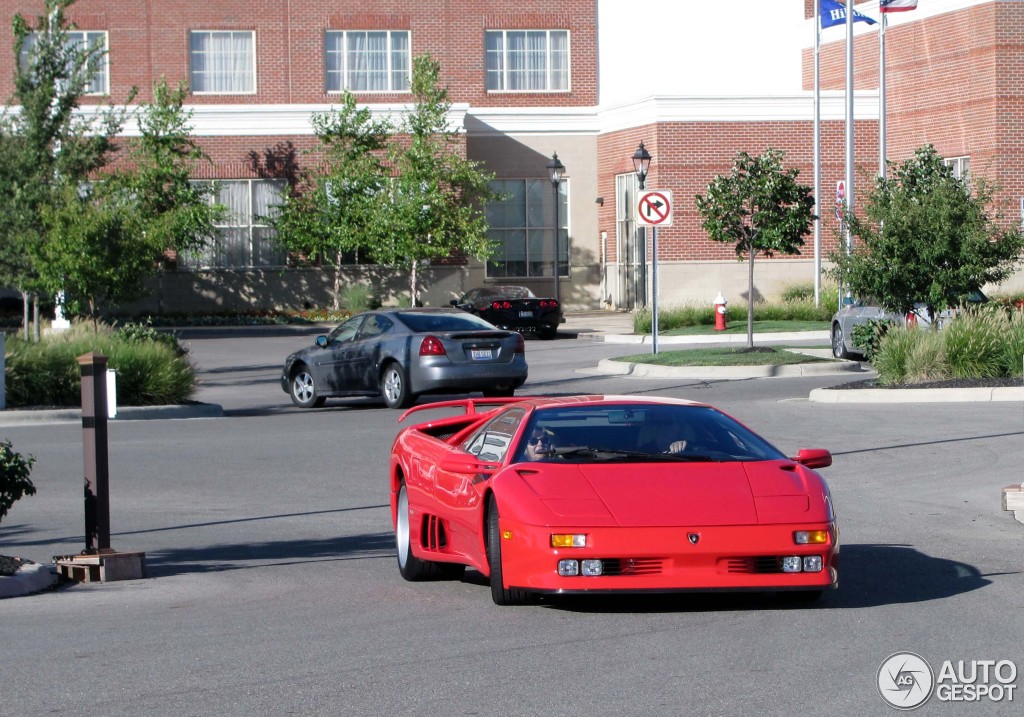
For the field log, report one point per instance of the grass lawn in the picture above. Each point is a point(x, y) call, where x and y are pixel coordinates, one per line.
point(727, 356)
point(740, 327)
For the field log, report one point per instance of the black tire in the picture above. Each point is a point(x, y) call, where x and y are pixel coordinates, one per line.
point(499, 392)
point(500, 595)
point(838, 344)
point(412, 568)
point(303, 389)
point(800, 597)
point(547, 332)
point(394, 387)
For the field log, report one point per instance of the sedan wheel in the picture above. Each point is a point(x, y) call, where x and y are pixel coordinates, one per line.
point(394, 388)
point(838, 346)
point(303, 391)
point(500, 595)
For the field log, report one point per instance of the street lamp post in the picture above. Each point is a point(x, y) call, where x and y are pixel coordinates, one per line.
point(642, 163)
point(555, 170)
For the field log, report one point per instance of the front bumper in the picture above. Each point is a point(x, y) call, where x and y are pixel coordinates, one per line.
point(665, 559)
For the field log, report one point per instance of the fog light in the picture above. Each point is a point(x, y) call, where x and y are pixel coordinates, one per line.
point(568, 540)
point(592, 567)
point(568, 568)
point(810, 537)
point(791, 564)
point(812, 564)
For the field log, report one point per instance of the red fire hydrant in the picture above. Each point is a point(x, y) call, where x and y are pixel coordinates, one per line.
point(720, 303)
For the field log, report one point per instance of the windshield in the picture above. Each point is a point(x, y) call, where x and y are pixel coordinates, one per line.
point(640, 433)
point(455, 321)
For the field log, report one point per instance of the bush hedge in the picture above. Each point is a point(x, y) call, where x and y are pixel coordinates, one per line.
point(152, 368)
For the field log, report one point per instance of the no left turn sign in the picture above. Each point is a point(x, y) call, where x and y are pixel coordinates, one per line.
point(654, 208)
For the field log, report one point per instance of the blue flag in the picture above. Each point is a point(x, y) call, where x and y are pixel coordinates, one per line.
point(833, 12)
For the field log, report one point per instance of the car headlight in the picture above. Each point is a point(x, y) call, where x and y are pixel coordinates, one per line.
point(568, 540)
point(810, 537)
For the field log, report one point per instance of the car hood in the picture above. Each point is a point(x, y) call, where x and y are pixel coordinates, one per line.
point(671, 494)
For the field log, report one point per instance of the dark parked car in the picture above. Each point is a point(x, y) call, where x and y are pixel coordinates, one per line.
point(860, 311)
point(402, 353)
point(515, 308)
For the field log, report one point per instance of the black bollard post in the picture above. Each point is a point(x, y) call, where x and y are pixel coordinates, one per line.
point(94, 443)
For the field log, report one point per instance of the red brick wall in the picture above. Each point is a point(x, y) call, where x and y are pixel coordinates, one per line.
point(149, 39)
point(687, 156)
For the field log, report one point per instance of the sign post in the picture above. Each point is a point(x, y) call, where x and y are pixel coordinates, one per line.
point(654, 209)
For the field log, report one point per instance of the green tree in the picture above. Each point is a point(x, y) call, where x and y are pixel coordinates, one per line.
point(927, 236)
point(333, 210)
point(48, 146)
point(760, 208)
point(436, 198)
point(106, 238)
point(14, 480)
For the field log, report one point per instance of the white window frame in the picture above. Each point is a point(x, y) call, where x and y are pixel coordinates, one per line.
point(215, 256)
point(502, 66)
point(961, 167)
point(80, 37)
point(343, 71)
point(192, 53)
point(535, 221)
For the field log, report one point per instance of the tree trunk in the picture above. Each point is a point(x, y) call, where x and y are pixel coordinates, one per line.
point(35, 317)
point(750, 299)
point(412, 284)
point(336, 290)
point(24, 313)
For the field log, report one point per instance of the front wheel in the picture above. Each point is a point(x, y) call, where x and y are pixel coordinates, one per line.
point(500, 595)
point(303, 393)
point(504, 391)
point(411, 567)
point(838, 344)
point(394, 388)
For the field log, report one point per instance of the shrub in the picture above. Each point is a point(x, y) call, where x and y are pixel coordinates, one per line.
point(926, 357)
point(359, 297)
point(47, 373)
point(974, 344)
point(893, 353)
point(1012, 355)
point(867, 337)
point(14, 480)
point(140, 333)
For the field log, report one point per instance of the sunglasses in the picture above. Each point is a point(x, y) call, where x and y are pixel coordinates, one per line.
point(534, 440)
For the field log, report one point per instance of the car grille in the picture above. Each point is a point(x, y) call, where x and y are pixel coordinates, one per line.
point(633, 566)
point(752, 564)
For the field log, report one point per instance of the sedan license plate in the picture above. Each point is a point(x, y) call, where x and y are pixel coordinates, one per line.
point(525, 314)
point(480, 354)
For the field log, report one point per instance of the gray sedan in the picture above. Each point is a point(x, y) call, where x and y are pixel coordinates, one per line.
point(400, 354)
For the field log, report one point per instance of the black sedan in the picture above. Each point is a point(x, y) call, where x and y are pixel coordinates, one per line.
point(402, 353)
point(515, 308)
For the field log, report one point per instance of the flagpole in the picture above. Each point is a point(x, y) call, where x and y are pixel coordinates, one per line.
point(849, 121)
point(817, 152)
point(883, 21)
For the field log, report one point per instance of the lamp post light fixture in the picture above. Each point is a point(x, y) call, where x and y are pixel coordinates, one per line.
point(555, 170)
point(641, 163)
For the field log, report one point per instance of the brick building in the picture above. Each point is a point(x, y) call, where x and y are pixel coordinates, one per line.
point(525, 83)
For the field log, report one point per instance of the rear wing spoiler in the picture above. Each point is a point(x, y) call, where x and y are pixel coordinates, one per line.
point(468, 405)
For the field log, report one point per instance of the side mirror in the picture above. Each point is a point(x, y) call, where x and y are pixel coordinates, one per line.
point(813, 458)
point(321, 341)
point(466, 464)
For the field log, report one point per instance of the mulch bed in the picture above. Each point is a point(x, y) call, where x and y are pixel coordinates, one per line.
point(10, 566)
point(950, 383)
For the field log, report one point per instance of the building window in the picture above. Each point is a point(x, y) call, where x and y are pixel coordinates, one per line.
point(222, 62)
point(961, 166)
point(528, 60)
point(376, 61)
point(97, 75)
point(242, 240)
point(521, 228)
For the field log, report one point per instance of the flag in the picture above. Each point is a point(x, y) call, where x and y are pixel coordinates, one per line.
point(834, 13)
point(896, 5)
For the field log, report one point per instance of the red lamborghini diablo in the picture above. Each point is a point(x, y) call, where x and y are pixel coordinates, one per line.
point(586, 494)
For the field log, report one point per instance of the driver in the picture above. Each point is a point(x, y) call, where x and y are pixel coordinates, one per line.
point(539, 445)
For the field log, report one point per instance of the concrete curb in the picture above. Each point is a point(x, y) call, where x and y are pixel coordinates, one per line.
point(647, 339)
point(915, 395)
point(32, 578)
point(643, 370)
point(127, 413)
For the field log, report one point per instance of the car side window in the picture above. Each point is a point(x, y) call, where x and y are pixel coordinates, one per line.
point(346, 331)
point(375, 325)
point(492, 441)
